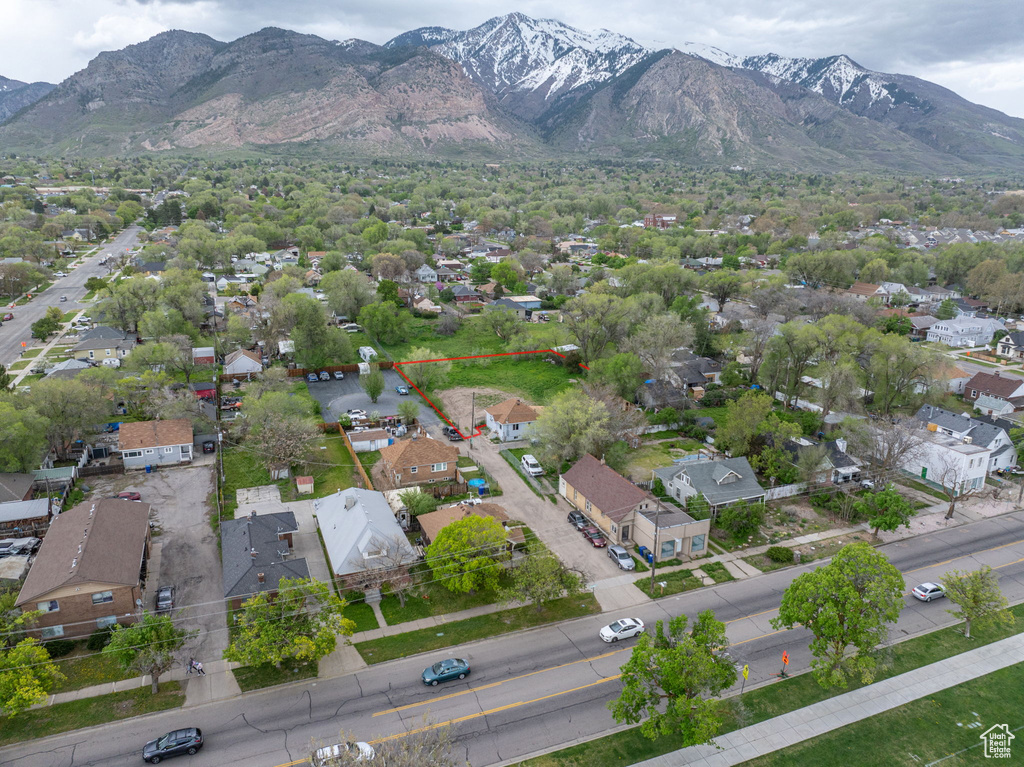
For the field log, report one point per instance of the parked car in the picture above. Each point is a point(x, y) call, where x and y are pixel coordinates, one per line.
point(531, 466)
point(129, 495)
point(8, 316)
point(63, 299)
point(577, 520)
point(356, 413)
point(209, 446)
point(595, 536)
point(624, 628)
point(165, 599)
point(312, 377)
point(351, 327)
point(455, 437)
point(175, 743)
point(359, 751)
point(442, 671)
point(83, 318)
point(403, 390)
point(338, 375)
point(621, 557)
point(325, 376)
point(926, 592)
point(59, 274)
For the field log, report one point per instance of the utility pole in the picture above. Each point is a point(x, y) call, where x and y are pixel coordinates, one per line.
point(657, 545)
point(472, 418)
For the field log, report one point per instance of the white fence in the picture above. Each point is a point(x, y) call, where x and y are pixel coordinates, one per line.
point(785, 491)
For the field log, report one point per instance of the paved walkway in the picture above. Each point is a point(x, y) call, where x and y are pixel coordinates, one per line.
point(809, 722)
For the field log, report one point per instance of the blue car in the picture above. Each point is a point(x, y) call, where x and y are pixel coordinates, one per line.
point(312, 377)
point(402, 389)
point(442, 671)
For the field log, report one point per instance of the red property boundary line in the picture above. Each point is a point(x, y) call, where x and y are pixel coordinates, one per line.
point(479, 430)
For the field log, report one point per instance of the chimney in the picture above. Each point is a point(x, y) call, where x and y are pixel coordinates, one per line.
point(252, 553)
point(260, 577)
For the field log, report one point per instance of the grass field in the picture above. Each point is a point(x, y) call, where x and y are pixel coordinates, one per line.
point(84, 668)
point(480, 627)
point(88, 712)
point(268, 675)
point(534, 380)
point(432, 598)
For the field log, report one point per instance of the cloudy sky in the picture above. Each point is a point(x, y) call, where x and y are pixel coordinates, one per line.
point(974, 48)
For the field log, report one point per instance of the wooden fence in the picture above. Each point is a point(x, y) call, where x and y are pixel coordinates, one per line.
point(355, 459)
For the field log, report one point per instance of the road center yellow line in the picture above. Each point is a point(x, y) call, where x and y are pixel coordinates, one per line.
point(964, 556)
point(498, 684)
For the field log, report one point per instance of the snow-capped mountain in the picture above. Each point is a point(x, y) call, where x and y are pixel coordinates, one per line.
point(529, 64)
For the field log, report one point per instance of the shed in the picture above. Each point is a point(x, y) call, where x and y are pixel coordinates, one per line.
point(304, 485)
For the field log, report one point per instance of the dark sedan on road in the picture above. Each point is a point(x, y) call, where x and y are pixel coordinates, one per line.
point(442, 671)
point(165, 599)
point(176, 743)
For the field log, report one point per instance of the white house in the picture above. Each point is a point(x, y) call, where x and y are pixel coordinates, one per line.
point(242, 361)
point(964, 428)
point(950, 462)
point(370, 440)
point(426, 274)
point(964, 331)
point(511, 419)
point(360, 532)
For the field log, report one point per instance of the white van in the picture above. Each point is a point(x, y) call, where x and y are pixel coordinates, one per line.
point(531, 466)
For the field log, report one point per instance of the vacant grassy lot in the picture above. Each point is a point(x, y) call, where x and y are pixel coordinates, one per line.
point(243, 468)
point(675, 583)
point(84, 668)
point(471, 338)
point(719, 414)
point(89, 712)
point(432, 598)
point(629, 746)
point(332, 468)
point(533, 379)
point(481, 627)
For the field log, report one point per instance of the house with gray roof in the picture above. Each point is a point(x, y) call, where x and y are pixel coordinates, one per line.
point(837, 466)
point(969, 430)
point(68, 368)
point(720, 483)
point(1011, 345)
point(257, 553)
point(965, 331)
point(361, 533)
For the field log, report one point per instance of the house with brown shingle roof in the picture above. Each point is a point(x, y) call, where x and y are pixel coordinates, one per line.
point(995, 385)
point(434, 522)
point(417, 461)
point(155, 443)
point(88, 572)
point(629, 515)
point(511, 419)
point(862, 291)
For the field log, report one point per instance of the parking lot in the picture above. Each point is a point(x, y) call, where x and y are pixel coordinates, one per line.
point(185, 552)
point(337, 397)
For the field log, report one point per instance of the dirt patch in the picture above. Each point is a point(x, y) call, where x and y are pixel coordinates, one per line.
point(796, 517)
point(458, 402)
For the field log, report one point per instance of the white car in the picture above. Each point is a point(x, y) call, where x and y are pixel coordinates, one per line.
point(361, 751)
point(623, 628)
point(59, 274)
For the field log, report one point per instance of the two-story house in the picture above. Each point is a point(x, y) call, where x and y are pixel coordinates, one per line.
point(963, 427)
point(1003, 387)
point(426, 274)
point(719, 483)
point(628, 515)
point(88, 574)
point(963, 331)
point(511, 419)
point(418, 461)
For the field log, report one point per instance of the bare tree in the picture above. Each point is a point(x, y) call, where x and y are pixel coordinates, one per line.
point(953, 476)
point(390, 567)
point(760, 333)
point(426, 744)
point(886, 445)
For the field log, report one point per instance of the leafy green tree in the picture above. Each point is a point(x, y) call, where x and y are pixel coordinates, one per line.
point(848, 602)
point(503, 322)
point(13, 620)
point(467, 555)
point(148, 646)
point(623, 372)
point(741, 519)
point(22, 437)
point(6, 379)
point(373, 383)
point(408, 411)
point(70, 407)
point(540, 577)
point(885, 510)
point(44, 327)
point(302, 621)
point(774, 463)
point(418, 502)
point(671, 679)
point(384, 322)
point(573, 425)
point(505, 275)
point(279, 428)
point(347, 292)
point(977, 597)
point(722, 285)
point(946, 310)
point(387, 290)
point(426, 375)
point(595, 320)
point(27, 676)
point(744, 419)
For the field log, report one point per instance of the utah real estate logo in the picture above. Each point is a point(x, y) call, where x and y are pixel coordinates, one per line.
point(997, 741)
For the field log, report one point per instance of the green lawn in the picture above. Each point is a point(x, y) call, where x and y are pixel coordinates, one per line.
point(719, 414)
point(432, 598)
point(926, 489)
point(758, 705)
point(84, 668)
point(89, 712)
point(480, 627)
point(333, 468)
point(675, 583)
point(533, 379)
point(921, 732)
point(18, 365)
point(31, 352)
point(471, 338)
point(242, 468)
point(368, 460)
point(717, 572)
point(357, 610)
point(268, 675)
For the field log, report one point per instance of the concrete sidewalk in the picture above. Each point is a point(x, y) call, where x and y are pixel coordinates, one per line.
point(809, 722)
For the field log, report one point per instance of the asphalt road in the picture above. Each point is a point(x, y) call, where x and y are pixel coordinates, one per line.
point(527, 692)
point(19, 329)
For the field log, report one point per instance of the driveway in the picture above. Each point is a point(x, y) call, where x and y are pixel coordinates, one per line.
point(546, 519)
point(185, 551)
point(337, 397)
